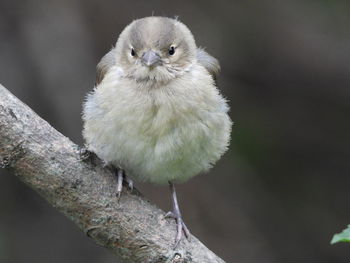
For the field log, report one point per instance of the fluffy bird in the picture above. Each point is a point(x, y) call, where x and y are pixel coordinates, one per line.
point(155, 111)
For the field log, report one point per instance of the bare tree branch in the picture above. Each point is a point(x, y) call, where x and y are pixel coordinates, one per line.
point(84, 191)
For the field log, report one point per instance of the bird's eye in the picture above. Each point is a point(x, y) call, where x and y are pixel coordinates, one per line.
point(171, 50)
point(133, 53)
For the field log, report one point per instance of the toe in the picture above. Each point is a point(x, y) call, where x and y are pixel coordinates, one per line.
point(129, 182)
point(84, 153)
point(186, 231)
point(170, 215)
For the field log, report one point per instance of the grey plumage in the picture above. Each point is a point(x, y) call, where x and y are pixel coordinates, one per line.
point(155, 110)
point(105, 63)
point(210, 63)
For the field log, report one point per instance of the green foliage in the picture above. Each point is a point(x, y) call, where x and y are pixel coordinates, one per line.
point(344, 236)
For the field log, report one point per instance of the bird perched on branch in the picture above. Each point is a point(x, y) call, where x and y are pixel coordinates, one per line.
point(155, 111)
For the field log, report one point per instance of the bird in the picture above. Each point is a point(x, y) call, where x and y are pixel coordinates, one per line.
point(155, 112)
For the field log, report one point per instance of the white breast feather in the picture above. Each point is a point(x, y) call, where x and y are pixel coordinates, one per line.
point(158, 134)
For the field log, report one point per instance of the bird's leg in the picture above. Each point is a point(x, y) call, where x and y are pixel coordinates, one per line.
point(176, 214)
point(120, 177)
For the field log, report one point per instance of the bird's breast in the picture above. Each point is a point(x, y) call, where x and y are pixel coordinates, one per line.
point(167, 133)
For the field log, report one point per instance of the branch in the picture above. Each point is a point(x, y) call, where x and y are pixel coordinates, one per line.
point(85, 192)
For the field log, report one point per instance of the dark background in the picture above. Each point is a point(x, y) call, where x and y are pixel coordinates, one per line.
point(281, 191)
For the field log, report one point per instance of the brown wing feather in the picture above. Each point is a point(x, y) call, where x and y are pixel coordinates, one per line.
point(210, 63)
point(103, 66)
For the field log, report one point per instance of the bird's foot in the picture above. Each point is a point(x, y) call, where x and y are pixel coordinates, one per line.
point(120, 178)
point(87, 156)
point(176, 214)
point(84, 153)
point(181, 227)
point(129, 182)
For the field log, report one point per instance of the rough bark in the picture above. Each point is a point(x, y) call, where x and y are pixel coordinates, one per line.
point(85, 191)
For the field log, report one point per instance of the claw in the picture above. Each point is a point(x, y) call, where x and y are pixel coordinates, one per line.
point(186, 231)
point(170, 215)
point(129, 182)
point(84, 153)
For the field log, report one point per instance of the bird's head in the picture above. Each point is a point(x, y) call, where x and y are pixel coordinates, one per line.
point(155, 49)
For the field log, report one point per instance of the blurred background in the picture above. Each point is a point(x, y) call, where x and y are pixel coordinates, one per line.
point(281, 191)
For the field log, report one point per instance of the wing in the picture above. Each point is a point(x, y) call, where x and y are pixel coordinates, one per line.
point(210, 63)
point(103, 66)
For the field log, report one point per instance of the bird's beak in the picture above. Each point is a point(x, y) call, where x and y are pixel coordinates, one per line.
point(150, 58)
